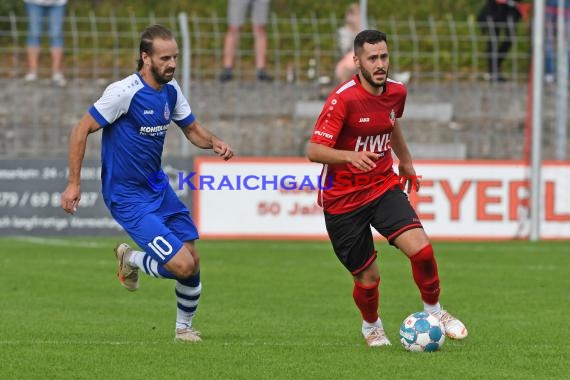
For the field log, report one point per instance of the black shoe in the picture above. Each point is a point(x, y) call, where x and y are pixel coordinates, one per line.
point(226, 75)
point(263, 76)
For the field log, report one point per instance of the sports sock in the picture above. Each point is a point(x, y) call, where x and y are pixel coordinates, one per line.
point(188, 292)
point(366, 299)
point(424, 270)
point(367, 325)
point(150, 266)
point(432, 309)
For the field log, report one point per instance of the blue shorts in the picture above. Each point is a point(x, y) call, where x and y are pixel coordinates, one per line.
point(161, 233)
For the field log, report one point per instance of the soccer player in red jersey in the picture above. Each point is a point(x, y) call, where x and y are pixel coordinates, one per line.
point(353, 138)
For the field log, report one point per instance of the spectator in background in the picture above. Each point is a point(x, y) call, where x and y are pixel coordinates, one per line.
point(551, 37)
point(345, 67)
point(37, 10)
point(498, 19)
point(237, 10)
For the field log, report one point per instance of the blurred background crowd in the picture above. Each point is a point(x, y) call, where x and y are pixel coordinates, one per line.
point(257, 69)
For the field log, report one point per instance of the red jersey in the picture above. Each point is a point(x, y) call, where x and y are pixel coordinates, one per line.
point(354, 119)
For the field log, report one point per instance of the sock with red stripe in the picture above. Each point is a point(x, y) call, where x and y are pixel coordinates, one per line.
point(424, 270)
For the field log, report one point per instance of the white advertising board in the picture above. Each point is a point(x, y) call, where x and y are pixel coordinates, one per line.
point(269, 198)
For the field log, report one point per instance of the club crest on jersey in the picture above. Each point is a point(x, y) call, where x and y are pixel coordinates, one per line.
point(392, 117)
point(166, 111)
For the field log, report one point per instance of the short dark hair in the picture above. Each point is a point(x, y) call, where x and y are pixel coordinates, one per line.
point(370, 36)
point(148, 36)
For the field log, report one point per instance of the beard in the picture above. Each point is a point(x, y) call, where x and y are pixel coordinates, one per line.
point(370, 79)
point(161, 78)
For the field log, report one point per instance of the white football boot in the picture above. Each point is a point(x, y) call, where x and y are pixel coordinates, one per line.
point(375, 336)
point(128, 275)
point(454, 328)
point(187, 334)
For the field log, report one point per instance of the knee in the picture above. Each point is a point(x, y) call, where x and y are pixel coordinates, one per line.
point(368, 277)
point(183, 269)
point(56, 42)
point(196, 268)
point(34, 36)
point(233, 30)
point(56, 38)
point(259, 30)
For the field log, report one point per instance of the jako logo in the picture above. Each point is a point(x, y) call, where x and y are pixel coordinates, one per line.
point(364, 120)
point(148, 112)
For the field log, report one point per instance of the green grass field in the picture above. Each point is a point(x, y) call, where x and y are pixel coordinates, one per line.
point(278, 310)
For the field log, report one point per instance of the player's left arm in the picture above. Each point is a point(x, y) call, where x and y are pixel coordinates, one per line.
point(406, 170)
point(203, 138)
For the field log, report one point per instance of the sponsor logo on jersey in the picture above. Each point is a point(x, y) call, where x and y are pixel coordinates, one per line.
point(364, 120)
point(324, 134)
point(148, 112)
point(166, 111)
point(158, 130)
point(378, 143)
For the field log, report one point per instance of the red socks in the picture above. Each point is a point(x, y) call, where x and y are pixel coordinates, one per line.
point(424, 269)
point(366, 299)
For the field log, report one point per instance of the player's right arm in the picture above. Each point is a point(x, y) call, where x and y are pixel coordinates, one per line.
point(321, 147)
point(326, 155)
point(77, 143)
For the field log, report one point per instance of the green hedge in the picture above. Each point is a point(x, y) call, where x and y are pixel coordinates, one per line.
point(421, 11)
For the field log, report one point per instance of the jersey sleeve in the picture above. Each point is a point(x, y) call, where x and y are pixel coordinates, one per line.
point(113, 104)
point(182, 114)
point(330, 121)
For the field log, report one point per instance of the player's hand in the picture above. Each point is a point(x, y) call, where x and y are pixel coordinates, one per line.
point(408, 177)
point(364, 161)
point(222, 149)
point(70, 198)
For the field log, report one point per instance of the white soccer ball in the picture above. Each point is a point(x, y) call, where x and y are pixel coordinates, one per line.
point(422, 332)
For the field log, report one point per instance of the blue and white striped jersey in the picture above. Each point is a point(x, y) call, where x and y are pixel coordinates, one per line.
point(135, 118)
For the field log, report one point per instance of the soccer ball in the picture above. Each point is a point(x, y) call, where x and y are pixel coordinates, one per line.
point(422, 332)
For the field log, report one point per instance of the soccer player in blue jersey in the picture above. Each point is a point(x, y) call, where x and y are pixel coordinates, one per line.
point(134, 114)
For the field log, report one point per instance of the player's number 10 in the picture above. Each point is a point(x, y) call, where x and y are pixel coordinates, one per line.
point(160, 246)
